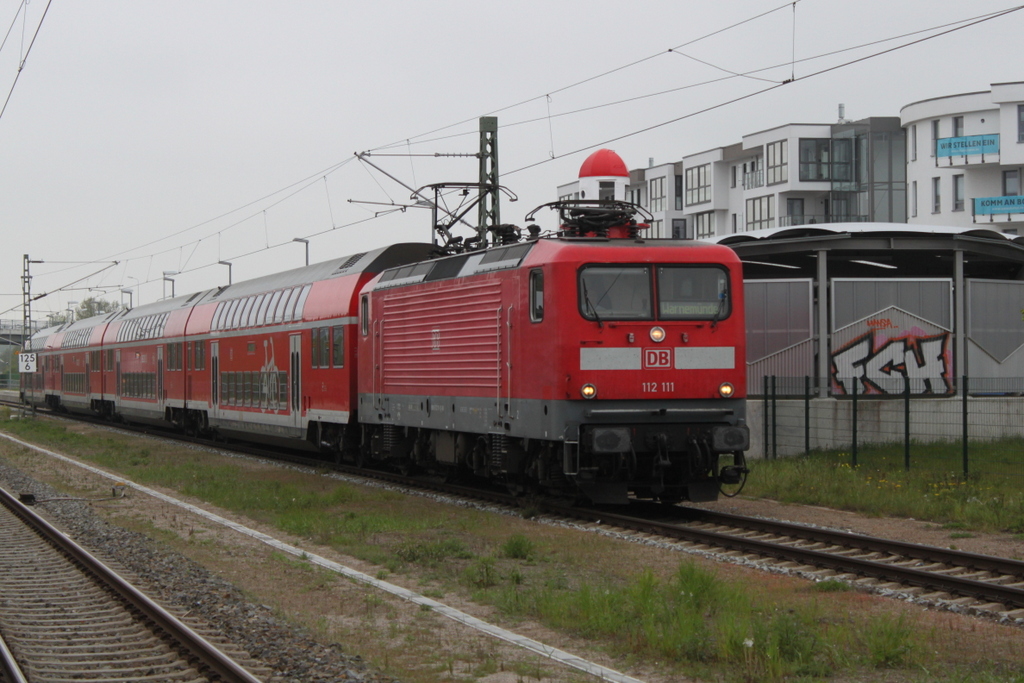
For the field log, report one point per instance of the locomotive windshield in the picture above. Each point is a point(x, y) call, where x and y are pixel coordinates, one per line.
point(616, 292)
point(693, 293)
point(626, 292)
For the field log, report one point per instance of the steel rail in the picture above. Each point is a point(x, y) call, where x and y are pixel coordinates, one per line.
point(917, 551)
point(10, 672)
point(1007, 595)
point(195, 645)
point(1011, 596)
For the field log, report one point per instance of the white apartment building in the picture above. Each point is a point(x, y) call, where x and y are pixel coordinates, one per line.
point(794, 174)
point(965, 155)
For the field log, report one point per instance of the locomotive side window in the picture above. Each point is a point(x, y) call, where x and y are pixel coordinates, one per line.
point(536, 295)
point(615, 293)
point(364, 315)
point(693, 293)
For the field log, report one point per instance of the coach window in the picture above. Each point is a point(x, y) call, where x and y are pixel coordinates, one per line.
point(261, 315)
point(536, 295)
point(314, 347)
point(300, 304)
point(272, 308)
point(246, 319)
point(693, 293)
point(325, 347)
point(338, 347)
point(279, 313)
point(236, 312)
point(257, 317)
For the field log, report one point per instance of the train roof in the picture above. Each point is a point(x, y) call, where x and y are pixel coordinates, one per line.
point(372, 261)
point(509, 256)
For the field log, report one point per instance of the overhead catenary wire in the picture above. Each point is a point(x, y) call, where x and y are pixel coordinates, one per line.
point(24, 58)
point(408, 142)
point(764, 90)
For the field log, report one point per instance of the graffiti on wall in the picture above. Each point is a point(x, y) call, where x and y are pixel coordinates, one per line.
point(881, 359)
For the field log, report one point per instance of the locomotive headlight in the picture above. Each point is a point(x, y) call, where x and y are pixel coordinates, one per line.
point(657, 334)
point(726, 390)
point(588, 391)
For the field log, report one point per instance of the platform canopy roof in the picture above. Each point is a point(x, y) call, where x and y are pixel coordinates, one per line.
point(878, 250)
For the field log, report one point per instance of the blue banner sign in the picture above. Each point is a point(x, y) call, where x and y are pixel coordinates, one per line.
point(986, 206)
point(970, 144)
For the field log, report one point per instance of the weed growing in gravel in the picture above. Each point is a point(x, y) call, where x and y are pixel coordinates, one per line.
point(694, 617)
point(431, 552)
point(517, 547)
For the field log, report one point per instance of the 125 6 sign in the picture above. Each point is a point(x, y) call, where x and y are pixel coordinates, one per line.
point(26, 362)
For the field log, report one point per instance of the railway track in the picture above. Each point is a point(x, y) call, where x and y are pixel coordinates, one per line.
point(970, 582)
point(65, 616)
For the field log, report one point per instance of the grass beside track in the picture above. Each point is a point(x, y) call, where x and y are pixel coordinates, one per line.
point(680, 617)
point(934, 489)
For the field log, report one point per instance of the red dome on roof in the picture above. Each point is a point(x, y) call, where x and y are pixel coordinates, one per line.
point(603, 162)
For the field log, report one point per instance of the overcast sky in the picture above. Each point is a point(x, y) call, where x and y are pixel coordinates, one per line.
point(172, 135)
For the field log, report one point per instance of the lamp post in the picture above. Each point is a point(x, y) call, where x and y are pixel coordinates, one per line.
point(306, 242)
point(131, 298)
point(228, 264)
point(138, 287)
point(168, 278)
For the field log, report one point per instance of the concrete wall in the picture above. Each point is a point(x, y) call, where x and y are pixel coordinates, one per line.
point(882, 421)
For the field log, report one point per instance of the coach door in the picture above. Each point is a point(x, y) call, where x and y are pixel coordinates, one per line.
point(160, 376)
point(214, 378)
point(295, 378)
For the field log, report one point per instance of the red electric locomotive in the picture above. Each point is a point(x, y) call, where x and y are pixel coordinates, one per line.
point(592, 362)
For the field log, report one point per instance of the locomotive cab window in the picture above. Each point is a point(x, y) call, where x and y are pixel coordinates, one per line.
point(364, 315)
point(536, 295)
point(693, 293)
point(615, 293)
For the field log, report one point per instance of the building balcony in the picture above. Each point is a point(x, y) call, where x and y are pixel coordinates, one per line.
point(968, 150)
point(753, 180)
point(987, 208)
point(812, 219)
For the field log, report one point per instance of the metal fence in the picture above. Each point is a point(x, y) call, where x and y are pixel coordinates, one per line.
point(977, 428)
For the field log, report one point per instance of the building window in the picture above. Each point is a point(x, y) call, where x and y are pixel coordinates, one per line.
point(935, 136)
point(775, 155)
point(656, 228)
point(958, 192)
point(606, 190)
point(936, 196)
point(698, 184)
point(679, 229)
point(795, 210)
point(814, 159)
point(958, 126)
point(761, 212)
point(732, 181)
point(679, 193)
point(735, 222)
point(1011, 183)
point(1020, 123)
point(657, 194)
point(704, 225)
point(913, 142)
point(913, 199)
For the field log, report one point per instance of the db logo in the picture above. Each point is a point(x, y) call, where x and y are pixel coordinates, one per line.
point(657, 358)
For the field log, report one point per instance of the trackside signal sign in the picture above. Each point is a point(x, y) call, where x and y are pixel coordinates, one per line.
point(26, 362)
